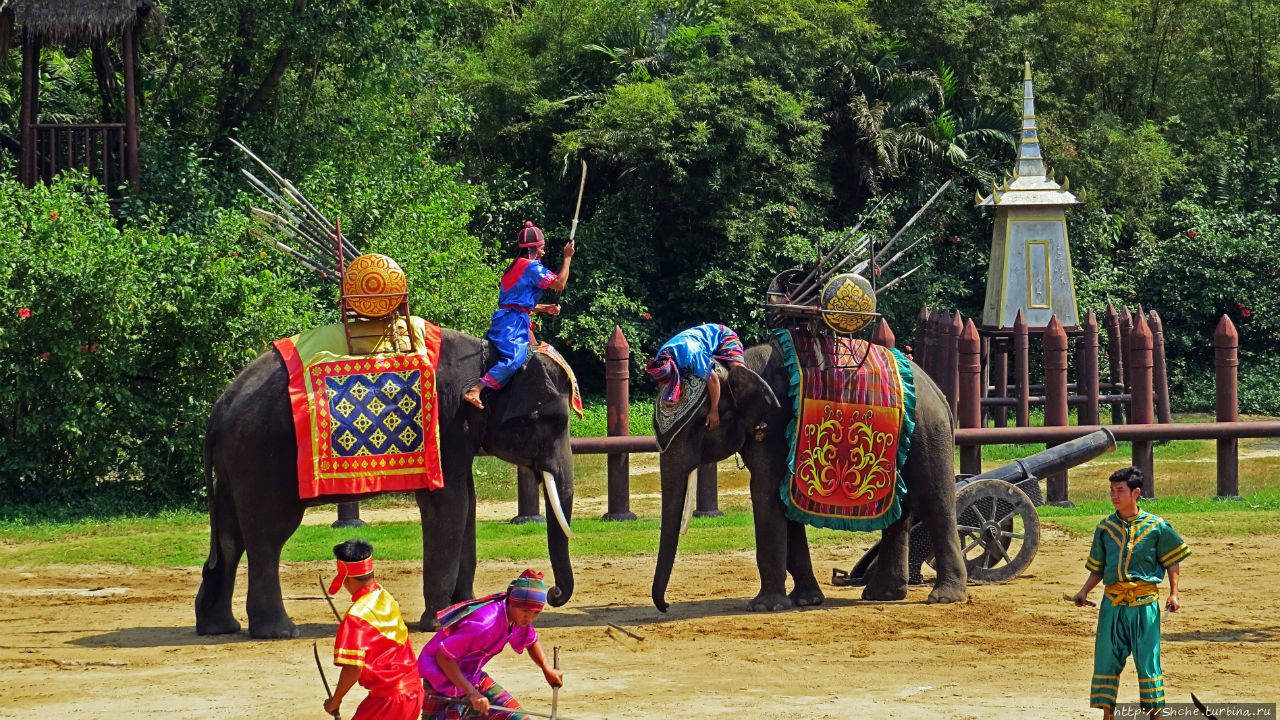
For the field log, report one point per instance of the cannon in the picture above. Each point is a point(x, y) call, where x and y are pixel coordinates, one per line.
point(995, 515)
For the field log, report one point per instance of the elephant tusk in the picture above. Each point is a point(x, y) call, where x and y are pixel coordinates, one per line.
point(690, 494)
point(553, 498)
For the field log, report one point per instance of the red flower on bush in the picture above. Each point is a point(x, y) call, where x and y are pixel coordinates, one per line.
point(1245, 312)
point(53, 214)
point(44, 355)
point(955, 240)
point(1192, 233)
point(647, 316)
point(24, 312)
point(791, 209)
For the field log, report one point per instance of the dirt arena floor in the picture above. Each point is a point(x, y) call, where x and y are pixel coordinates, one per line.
point(109, 642)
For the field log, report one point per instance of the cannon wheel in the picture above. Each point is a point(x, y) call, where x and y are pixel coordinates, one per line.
point(999, 530)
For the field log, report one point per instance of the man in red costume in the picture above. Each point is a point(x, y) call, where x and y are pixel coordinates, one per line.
point(372, 646)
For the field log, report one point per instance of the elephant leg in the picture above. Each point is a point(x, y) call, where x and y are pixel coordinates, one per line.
point(226, 546)
point(772, 542)
point(950, 584)
point(265, 603)
point(445, 519)
point(888, 577)
point(807, 592)
point(464, 588)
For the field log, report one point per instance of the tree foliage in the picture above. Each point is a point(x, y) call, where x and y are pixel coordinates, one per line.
point(725, 140)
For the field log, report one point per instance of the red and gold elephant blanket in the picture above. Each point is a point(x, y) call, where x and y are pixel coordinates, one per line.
point(853, 413)
point(364, 423)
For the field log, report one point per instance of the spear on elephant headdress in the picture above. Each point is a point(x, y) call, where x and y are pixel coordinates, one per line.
point(582, 184)
point(313, 240)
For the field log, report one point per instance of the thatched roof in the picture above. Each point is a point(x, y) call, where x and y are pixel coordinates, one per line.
point(77, 21)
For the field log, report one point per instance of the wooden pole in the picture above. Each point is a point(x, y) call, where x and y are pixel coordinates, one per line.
point(952, 370)
point(1126, 341)
point(969, 394)
point(617, 382)
point(708, 504)
point(1055, 395)
point(29, 114)
point(883, 334)
point(526, 497)
point(1087, 382)
point(1140, 404)
point(1116, 361)
point(1000, 378)
point(1021, 378)
point(131, 106)
point(1226, 361)
point(348, 515)
point(1158, 369)
point(922, 330)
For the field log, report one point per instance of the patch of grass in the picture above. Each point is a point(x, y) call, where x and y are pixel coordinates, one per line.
point(1190, 516)
point(162, 543)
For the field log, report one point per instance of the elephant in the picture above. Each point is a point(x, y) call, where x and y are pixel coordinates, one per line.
point(250, 448)
point(752, 423)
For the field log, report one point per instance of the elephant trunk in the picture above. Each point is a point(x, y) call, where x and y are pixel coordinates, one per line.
point(674, 507)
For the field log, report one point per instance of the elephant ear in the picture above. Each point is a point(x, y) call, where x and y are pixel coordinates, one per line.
point(531, 388)
point(751, 395)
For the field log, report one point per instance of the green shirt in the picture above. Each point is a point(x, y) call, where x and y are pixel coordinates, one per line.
point(1138, 549)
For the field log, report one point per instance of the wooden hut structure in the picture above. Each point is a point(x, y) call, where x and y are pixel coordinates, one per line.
point(107, 149)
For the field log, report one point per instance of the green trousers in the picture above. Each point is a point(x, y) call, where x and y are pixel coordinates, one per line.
point(1125, 630)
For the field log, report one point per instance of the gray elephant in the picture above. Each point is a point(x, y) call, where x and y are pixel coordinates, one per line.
point(254, 505)
point(754, 389)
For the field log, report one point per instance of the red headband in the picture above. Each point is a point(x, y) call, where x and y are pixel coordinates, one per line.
point(525, 232)
point(352, 569)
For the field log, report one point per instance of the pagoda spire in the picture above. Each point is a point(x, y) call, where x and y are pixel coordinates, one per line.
point(1030, 159)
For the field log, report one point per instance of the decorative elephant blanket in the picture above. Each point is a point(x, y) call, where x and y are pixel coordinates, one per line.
point(575, 400)
point(852, 416)
point(364, 423)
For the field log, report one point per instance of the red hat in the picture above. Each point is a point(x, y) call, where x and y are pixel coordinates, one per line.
point(350, 569)
point(530, 236)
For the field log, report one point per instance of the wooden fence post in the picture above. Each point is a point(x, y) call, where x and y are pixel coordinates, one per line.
point(348, 515)
point(617, 382)
point(1160, 373)
point(1021, 378)
point(1226, 343)
point(1140, 404)
point(1000, 378)
point(1055, 400)
point(1115, 362)
point(1087, 382)
point(970, 394)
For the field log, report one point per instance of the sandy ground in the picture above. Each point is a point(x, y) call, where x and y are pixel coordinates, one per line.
point(110, 642)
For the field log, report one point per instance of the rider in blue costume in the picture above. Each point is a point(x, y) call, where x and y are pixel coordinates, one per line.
point(511, 327)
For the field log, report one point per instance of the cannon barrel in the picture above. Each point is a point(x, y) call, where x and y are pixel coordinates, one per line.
point(1052, 460)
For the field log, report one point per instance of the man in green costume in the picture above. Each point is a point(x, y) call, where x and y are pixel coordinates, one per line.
point(1132, 551)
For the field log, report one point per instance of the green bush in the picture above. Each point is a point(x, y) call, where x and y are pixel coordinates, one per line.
point(114, 342)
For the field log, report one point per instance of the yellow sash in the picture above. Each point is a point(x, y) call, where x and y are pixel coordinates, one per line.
point(1136, 592)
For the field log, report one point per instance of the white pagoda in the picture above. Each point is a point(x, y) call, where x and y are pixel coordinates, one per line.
point(1030, 260)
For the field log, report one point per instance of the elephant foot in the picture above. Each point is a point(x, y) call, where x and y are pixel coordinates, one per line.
point(768, 602)
point(949, 593)
point(808, 597)
point(884, 593)
point(221, 626)
point(428, 622)
point(273, 630)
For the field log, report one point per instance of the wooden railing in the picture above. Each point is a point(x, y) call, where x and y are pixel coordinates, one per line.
point(98, 148)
